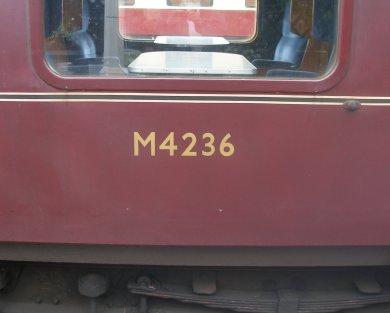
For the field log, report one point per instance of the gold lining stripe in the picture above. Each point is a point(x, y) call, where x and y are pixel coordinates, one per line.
point(189, 101)
point(69, 94)
point(143, 97)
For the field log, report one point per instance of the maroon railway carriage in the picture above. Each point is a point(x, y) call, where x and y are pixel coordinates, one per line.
point(194, 155)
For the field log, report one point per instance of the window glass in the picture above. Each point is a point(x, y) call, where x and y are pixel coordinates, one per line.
point(141, 38)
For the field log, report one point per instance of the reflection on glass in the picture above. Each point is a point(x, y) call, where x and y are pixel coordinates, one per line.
point(295, 39)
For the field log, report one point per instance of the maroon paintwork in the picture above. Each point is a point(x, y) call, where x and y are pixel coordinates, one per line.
point(312, 175)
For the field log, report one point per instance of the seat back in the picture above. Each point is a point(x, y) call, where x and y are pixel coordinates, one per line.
point(291, 47)
point(63, 45)
point(321, 43)
point(81, 41)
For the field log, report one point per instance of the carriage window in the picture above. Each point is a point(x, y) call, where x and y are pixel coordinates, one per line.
point(294, 39)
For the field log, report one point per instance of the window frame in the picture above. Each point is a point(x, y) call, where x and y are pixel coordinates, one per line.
point(191, 83)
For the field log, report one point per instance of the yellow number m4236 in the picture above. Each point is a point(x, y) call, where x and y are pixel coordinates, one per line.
point(148, 143)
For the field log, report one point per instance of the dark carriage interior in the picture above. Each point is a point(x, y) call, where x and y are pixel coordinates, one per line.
point(294, 39)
